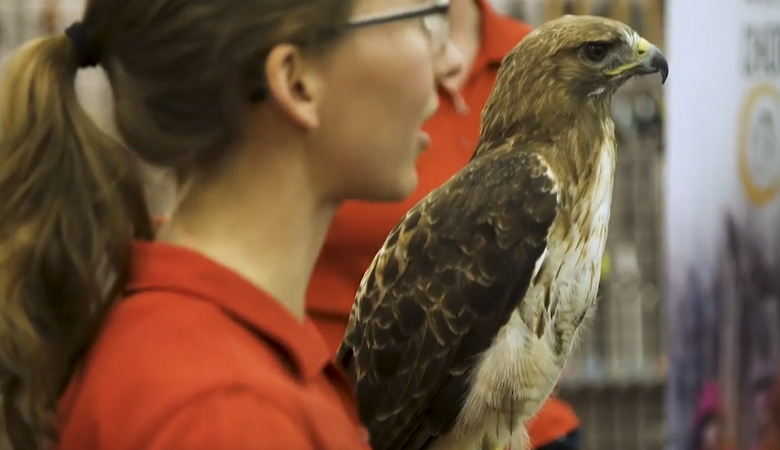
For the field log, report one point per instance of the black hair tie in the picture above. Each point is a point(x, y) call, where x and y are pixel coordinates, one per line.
point(83, 44)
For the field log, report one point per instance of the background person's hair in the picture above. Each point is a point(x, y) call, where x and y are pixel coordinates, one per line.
point(71, 197)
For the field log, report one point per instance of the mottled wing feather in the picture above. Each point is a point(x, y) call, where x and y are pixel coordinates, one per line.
point(446, 280)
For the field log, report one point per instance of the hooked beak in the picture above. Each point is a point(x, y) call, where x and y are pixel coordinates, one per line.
point(649, 59)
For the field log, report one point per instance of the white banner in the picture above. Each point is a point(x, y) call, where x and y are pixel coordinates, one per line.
point(723, 219)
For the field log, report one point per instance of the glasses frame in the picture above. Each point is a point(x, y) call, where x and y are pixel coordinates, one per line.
point(440, 7)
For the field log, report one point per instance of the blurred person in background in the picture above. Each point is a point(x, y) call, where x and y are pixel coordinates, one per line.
point(479, 39)
point(771, 438)
point(761, 397)
point(270, 114)
point(707, 421)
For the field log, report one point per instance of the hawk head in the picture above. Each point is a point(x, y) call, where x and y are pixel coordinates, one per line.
point(563, 68)
point(589, 54)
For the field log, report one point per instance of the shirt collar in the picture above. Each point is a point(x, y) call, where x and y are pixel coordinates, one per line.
point(159, 266)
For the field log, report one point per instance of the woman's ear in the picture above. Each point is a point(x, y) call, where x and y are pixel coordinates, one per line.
point(294, 84)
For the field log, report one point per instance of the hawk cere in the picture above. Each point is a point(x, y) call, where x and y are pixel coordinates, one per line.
point(463, 322)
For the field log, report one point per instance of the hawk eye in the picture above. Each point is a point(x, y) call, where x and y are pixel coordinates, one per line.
point(595, 51)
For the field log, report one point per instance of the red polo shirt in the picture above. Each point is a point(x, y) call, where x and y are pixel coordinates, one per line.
point(196, 357)
point(360, 228)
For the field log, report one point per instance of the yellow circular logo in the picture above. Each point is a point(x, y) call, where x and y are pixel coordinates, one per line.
point(758, 145)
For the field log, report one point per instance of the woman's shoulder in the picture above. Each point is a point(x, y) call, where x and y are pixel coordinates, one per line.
point(165, 336)
point(159, 353)
point(161, 347)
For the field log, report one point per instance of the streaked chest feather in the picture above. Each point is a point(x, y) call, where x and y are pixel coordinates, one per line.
point(566, 287)
point(578, 239)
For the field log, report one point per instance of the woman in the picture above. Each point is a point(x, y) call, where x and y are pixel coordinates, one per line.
point(271, 114)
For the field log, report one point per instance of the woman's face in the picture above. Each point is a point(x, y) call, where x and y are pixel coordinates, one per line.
point(379, 89)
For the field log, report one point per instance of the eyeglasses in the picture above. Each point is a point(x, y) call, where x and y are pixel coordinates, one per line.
point(435, 20)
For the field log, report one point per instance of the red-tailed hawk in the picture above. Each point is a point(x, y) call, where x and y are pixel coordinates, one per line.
point(464, 320)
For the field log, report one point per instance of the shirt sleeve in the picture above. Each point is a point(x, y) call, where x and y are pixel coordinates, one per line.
point(232, 419)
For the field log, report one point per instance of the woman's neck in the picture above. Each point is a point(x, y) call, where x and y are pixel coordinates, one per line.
point(264, 222)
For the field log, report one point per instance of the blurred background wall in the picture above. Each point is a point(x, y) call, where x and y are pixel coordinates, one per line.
point(722, 219)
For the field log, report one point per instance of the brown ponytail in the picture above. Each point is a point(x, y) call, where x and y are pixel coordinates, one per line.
point(71, 201)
